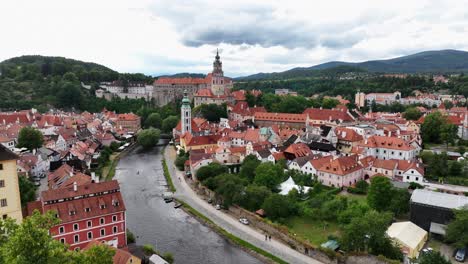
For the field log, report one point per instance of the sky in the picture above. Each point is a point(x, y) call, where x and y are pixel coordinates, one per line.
point(171, 36)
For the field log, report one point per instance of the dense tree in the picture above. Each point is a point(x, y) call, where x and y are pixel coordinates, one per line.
point(211, 112)
point(457, 230)
point(228, 186)
point(331, 209)
point(380, 193)
point(367, 233)
point(27, 190)
point(269, 175)
point(248, 167)
point(30, 138)
point(169, 123)
point(277, 206)
point(432, 257)
point(30, 242)
point(254, 197)
point(355, 209)
point(69, 96)
point(210, 171)
point(148, 138)
point(436, 129)
point(412, 113)
point(399, 201)
point(153, 120)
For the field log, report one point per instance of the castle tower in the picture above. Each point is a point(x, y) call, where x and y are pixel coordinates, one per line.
point(186, 114)
point(217, 82)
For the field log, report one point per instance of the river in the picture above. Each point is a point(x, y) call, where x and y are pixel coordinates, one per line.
point(157, 223)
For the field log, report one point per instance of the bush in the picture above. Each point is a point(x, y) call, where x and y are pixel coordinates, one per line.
point(148, 249)
point(168, 257)
point(130, 237)
point(415, 185)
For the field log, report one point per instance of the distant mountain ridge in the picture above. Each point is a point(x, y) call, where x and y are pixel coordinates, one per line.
point(437, 61)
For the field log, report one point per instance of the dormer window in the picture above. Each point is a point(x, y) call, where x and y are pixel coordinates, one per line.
point(87, 209)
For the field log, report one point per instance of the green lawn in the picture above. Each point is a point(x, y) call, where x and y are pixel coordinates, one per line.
point(315, 231)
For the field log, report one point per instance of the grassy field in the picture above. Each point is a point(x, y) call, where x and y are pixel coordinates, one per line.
point(168, 176)
point(315, 231)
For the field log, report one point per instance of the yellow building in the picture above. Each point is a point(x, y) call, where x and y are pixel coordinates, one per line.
point(10, 202)
point(409, 237)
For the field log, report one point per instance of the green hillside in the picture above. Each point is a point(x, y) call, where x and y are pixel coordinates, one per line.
point(44, 82)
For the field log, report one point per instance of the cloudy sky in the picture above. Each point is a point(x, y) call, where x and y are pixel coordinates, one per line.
point(159, 36)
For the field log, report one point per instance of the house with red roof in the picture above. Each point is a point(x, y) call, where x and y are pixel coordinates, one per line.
point(320, 116)
point(383, 147)
point(265, 119)
point(347, 139)
point(341, 172)
point(92, 211)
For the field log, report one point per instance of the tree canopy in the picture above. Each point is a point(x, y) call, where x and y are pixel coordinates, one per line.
point(457, 230)
point(30, 242)
point(148, 138)
point(30, 138)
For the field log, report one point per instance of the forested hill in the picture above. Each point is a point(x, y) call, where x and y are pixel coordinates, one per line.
point(42, 66)
point(44, 82)
point(441, 61)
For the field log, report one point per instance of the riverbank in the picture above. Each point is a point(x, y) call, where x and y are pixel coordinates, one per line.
point(141, 177)
point(230, 224)
point(244, 245)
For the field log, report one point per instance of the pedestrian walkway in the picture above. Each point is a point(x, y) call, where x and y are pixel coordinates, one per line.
point(231, 225)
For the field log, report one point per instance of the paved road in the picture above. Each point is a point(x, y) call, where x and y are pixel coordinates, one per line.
point(253, 236)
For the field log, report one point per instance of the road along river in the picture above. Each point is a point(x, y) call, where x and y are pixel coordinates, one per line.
point(155, 222)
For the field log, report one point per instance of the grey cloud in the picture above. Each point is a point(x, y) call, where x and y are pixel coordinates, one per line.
point(257, 25)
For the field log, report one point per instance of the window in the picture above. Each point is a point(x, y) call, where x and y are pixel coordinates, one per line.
point(417, 178)
point(90, 235)
point(87, 209)
point(103, 232)
point(4, 216)
point(2, 183)
point(407, 177)
point(3, 202)
point(76, 238)
point(75, 227)
point(1, 166)
point(114, 218)
point(62, 240)
point(89, 224)
point(101, 221)
point(61, 230)
point(114, 229)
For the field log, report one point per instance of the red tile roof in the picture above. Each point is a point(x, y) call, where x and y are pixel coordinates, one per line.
point(386, 142)
point(342, 166)
point(298, 150)
point(187, 80)
point(328, 114)
point(280, 117)
point(347, 134)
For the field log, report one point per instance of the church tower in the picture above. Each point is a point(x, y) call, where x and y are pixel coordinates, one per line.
point(217, 82)
point(186, 114)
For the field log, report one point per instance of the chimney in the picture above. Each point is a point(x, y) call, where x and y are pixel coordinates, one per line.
point(75, 186)
point(417, 165)
point(71, 172)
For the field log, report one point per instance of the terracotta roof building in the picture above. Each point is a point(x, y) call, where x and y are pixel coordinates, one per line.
point(93, 211)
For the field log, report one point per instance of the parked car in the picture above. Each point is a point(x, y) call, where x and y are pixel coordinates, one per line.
point(218, 207)
point(37, 183)
point(244, 220)
point(210, 200)
point(460, 255)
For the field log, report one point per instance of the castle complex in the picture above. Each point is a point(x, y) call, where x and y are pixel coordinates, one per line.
point(214, 88)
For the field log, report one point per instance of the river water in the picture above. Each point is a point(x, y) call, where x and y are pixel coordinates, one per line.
point(169, 230)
